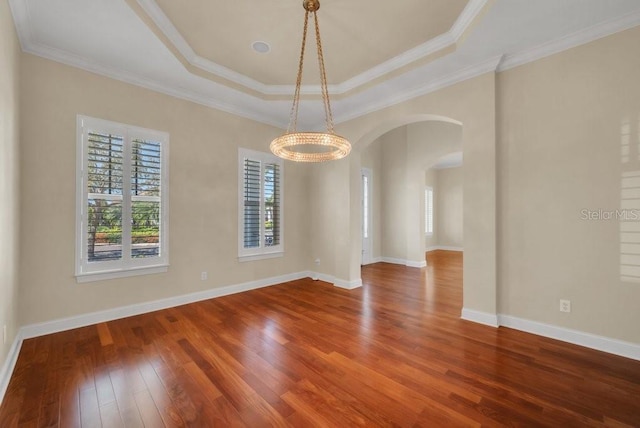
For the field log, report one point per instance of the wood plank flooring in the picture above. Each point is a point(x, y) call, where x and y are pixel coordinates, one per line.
point(304, 354)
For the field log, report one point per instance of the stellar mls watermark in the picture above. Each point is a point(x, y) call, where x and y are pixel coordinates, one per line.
point(610, 215)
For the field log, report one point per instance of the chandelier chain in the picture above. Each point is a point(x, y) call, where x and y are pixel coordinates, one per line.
point(293, 116)
point(323, 78)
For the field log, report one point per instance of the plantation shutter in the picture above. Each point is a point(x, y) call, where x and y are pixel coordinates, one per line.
point(121, 189)
point(272, 205)
point(260, 197)
point(252, 197)
point(146, 181)
point(428, 211)
point(104, 196)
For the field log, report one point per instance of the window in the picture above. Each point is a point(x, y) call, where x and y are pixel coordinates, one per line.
point(365, 206)
point(260, 205)
point(428, 211)
point(122, 205)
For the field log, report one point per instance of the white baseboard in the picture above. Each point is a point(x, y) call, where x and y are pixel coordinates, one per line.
point(588, 340)
point(337, 282)
point(393, 261)
point(416, 264)
point(444, 248)
point(9, 364)
point(40, 329)
point(601, 343)
point(349, 285)
point(409, 263)
point(63, 324)
point(479, 317)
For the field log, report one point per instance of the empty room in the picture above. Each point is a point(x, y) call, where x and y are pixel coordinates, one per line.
point(297, 213)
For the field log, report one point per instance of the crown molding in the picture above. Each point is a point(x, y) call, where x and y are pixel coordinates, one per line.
point(22, 20)
point(572, 40)
point(432, 46)
point(435, 83)
point(67, 58)
point(469, 13)
point(251, 107)
point(466, 18)
point(153, 10)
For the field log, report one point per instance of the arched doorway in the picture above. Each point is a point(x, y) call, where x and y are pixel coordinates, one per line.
point(393, 205)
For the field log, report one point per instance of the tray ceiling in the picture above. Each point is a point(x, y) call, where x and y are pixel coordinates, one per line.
point(377, 53)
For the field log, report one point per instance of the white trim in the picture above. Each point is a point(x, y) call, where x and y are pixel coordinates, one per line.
point(337, 282)
point(444, 248)
point(433, 84)
point(569, 41)
point(22, 21)
point(67, 58)
point(261, 252)
point(479, 317)
point(165, 25)
point(393, 260)
point(576, 337)
point(434, 45)
point(10, 364)
point(466, 18)
point(255, 257)
point(63, 324)
point(409, 263)
point(245, 109)
point(600, 343)
point(124, 273)
point(348, 285)
point(451, 37)
point(416, 264)
point(127, 265)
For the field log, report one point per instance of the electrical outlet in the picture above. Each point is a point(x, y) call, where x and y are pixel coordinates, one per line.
point(565, 305)
point(204, 276)
point(317, 262)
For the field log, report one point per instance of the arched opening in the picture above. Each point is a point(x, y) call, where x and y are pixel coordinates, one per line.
point(397, 158)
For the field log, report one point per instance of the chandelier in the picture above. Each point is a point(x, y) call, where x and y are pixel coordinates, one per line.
point(311, 146)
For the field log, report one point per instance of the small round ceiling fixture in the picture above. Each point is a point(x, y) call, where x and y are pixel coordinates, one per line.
point(261, 47)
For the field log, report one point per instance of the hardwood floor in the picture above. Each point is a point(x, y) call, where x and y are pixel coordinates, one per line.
point(304, 353)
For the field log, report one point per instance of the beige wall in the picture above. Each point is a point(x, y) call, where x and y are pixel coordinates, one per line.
point(569, 133)
point(203, 193)
point(406, 152)
point(427, 142)
point(394, 193)
point(471, 103)
point(562, 135)
point(448, 204)
point(9, 178)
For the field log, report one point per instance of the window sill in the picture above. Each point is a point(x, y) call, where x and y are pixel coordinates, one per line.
point(253, 257)
point(124, 273)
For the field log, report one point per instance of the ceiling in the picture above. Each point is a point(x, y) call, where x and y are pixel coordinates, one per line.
point(377, 53)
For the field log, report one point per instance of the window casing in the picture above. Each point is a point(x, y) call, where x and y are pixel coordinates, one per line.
point(428, 211)
point(122, 200)
point(260, 205)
